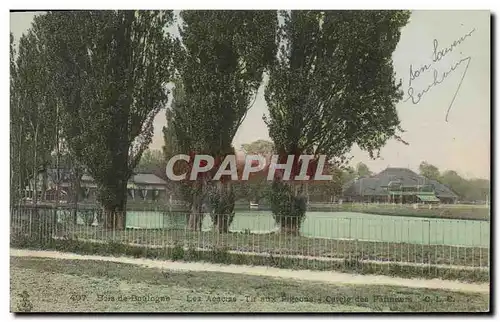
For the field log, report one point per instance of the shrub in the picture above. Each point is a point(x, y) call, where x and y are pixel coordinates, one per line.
point(192, 254)
point(353, 264)
point(288, 209)
point(177, 253)
point(220, 255)
point(222, 204)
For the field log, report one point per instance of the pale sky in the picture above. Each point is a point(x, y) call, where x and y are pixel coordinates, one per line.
point(461, 144)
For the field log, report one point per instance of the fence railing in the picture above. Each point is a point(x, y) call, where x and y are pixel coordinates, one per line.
point(380, 239)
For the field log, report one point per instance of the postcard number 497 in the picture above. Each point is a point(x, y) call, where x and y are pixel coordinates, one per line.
point(78, 297)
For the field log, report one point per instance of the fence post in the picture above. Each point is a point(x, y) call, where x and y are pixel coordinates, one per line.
point(350, 221)
point(480, 244)
point(30, 221)
point(429, 232)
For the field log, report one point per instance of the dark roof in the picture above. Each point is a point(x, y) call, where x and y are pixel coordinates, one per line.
point(443, 190)
point(147, 178)
point(138, 178)
point(374, 185)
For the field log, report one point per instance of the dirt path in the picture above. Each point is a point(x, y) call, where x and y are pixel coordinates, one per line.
point(304, 275)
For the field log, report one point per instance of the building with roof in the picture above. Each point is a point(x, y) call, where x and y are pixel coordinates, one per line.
point(398, 185)
point(140, 187)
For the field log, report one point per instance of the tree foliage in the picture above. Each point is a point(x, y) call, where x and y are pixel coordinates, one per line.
point(429, 171)
point(467, 189)
point(362, 170)
point(262, 147)
point(33, 108)
point(333, 84)
point(257, 187)
point(220, 64)
point(151, 160)
point(110, 69)
point(17, 159)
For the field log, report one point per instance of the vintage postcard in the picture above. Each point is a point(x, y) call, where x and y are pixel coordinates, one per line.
point(250, 161)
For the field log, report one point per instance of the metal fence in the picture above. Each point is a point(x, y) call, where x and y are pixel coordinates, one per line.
point(329, 238)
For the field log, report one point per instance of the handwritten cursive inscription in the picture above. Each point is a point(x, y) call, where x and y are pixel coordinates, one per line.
point(438, 77)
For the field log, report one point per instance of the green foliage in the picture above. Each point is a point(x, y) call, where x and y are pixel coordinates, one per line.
point(222, 255)
point(113, 247)
point(262, 147)
point(150, 161)
point(466, 189)
point(18, 160)
point(258, 187)
point(33, 109)
point(429, 171)
point(136, 252)
point(109, 69)
point(177, 252)
point(220, 63)
point(363, 170)
point(333, 86)
point(348, 174)
point(324, 191)
point(192, 254)
point(288, 208)
point(331, 60)
point(219, 68)
point(222, 205)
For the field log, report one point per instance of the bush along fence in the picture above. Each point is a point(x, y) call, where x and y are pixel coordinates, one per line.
point(406, 248)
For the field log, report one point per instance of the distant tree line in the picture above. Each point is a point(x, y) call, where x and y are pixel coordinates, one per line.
point(467, 189)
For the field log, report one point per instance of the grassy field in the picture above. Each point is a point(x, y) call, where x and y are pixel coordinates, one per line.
point(283, 244)
point(450, 211)
point(468, 212)
point(48, 285)
point(337, 225)
point(465, 212)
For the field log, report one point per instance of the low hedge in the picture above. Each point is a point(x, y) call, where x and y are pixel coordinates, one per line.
point(223, 256)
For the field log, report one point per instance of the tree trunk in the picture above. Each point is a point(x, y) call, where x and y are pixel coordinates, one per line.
point(44, 185)
point(195, 220)
point(35, 172)
point(114, 218)
point(224, 211)
point(115, 205)
point(290, 225)
point(22, 189)
point(75, 191)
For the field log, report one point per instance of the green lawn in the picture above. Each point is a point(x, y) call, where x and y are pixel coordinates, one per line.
point(466, 212)
point(48, 285)
point(458, 211)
